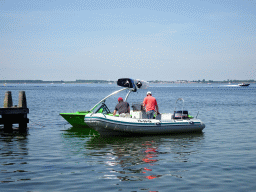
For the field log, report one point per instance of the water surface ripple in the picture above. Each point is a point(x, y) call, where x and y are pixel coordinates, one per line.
point(53, 156)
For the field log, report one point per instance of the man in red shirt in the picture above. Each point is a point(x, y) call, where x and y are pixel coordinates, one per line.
point(151, 105)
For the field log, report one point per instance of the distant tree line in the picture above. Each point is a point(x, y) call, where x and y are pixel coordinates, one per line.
point(41, 81)
point(224, 81)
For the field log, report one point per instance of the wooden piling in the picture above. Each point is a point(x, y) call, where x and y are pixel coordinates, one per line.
point(22, 99)
point(14, 115)
point(8, 99)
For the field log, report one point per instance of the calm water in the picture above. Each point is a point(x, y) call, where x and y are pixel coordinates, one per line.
point(53, 156)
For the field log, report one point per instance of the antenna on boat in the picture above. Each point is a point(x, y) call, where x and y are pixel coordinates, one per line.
point(197, 114)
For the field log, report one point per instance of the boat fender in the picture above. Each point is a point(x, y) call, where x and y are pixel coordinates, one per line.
point(158, 123)
point(191, 122)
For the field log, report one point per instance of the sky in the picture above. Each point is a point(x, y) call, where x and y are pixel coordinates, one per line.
point(164, 40)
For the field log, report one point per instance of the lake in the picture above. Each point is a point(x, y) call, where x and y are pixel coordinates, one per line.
point(53, 156)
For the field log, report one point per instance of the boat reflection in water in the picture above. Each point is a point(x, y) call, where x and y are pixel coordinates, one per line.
point(140, 158)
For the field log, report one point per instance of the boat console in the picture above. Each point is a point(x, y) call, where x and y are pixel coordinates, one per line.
point(180, 114)
point(138, 111)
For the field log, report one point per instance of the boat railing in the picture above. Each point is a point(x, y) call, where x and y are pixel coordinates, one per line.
point(115, 92)
point(179, 99)
point(130, 84)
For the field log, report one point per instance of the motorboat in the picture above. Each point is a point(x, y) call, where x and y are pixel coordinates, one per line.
point(102, 120)
point(244, 84)
point(76, 119)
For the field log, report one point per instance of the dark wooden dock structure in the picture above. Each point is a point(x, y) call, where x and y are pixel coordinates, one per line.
point(14, 114)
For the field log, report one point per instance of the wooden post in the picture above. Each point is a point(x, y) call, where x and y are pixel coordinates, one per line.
point(7, 104)
point(8, 99)
point(23, 104)
point(22, 99)
point(7, 124)
point(13, 114)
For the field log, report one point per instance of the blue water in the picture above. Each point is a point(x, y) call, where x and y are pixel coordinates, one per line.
point(53, 156)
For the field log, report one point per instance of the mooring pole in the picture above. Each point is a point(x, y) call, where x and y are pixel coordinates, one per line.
point(13, 114)
point(6, 117)
point(23, 104)
point(8, 99)
point(22, 99)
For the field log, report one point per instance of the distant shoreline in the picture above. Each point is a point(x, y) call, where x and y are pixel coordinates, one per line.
point(114, 82)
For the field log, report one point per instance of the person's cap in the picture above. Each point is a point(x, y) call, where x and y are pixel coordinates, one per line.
point(149, 93)
point(120, 99)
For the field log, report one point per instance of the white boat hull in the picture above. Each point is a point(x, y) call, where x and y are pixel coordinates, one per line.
point(109, 125)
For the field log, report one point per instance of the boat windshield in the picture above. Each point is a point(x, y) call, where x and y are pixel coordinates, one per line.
point(103, 109)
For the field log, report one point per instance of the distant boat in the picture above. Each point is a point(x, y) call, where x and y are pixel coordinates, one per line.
point(244, 84)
